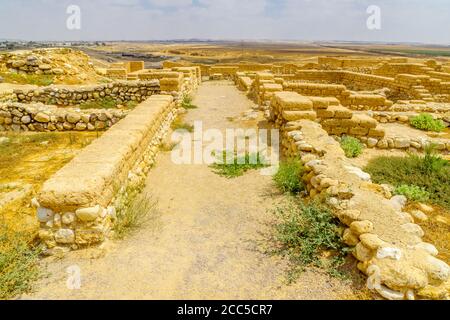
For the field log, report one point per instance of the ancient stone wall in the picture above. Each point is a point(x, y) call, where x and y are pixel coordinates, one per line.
point(120, 91)
point(43, 118)
point(77, 206)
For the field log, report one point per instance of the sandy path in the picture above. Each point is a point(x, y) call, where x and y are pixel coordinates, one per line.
point(206, 241)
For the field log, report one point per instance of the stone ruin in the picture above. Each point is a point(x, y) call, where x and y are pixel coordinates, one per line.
point(312, 105)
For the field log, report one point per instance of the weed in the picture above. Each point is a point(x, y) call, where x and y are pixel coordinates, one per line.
point(239, 165)
point(309, 235)
point(187, 103)
point(352, 147)
point(134, 213)
point(288, 177)
point(425, 121)
point(178, 124)
point(19, 265)
point(413, 193)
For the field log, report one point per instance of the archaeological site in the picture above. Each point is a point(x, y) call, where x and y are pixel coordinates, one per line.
point(218, 170)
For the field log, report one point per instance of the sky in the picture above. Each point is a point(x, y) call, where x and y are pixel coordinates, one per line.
point(309, 20)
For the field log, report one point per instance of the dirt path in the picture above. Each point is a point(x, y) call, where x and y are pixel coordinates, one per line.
point(206, 241)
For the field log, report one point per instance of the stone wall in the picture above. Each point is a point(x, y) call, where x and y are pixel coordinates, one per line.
point(385, 240)
point(77, 206)
point(120, 91)
point(290, 107)
point(39, 117)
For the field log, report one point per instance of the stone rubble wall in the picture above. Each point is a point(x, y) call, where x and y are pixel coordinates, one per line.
point(412, 144)
point(43, 61)
point(385, 240)
point(120, 91)
point(17, 117)
point(183, 80)
point(77, 205)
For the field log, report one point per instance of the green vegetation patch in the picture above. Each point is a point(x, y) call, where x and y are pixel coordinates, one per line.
point(288, 177)
point(19, 263)
point(34, 79)
point(414, 175)
point(413, 193)
point(309, 235)
point(352, 147)
point(107, 103)
point(237, 165)
point(426, 122)
point(187, 103)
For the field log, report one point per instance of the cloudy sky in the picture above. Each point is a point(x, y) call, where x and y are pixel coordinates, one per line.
point(401, 20)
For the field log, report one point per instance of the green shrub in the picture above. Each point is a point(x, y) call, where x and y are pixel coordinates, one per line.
point(187, 102)
point(19, 264)
point(239, 165)
point(288, 177)
point(413, 193)
point(425, 121)
point(430, 173)
point(305, 232)
point(352, 147)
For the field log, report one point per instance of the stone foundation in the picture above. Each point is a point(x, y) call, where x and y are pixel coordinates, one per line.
point(77, 206)
point(39, 117)
point(120, 92)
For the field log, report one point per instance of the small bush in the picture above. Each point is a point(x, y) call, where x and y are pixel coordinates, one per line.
point(425, 121)
point(413, 193)
point(352, 147)
point(19, 264)
point(430, 173)
point(307, 231)
point(239, 166)
point(288, 177)
point(133, 214)
point(187, 103)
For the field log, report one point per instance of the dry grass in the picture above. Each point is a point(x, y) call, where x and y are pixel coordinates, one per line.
point(32, 158)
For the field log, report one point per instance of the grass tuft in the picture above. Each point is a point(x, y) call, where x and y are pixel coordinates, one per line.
point(133, 214)
point(187, 103)
point(178, 124)
point(426, 122)
point(352, 147)
point(19, 264)
point(288, 177)
point(239, 165)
